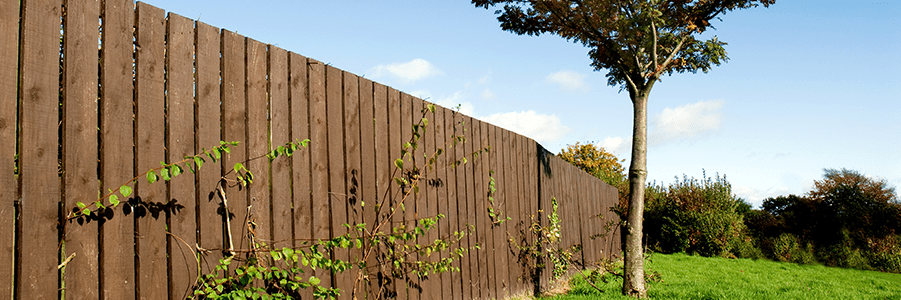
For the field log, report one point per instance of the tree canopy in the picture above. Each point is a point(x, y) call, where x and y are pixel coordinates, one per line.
point(595, 161)
point(635, 41)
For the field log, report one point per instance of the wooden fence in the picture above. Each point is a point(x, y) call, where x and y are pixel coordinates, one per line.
point(80, 115)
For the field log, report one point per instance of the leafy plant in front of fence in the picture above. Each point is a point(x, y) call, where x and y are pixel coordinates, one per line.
point(277, 273)
point(544, 249)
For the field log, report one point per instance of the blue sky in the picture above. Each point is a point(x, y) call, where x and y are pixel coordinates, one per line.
point(811, 84)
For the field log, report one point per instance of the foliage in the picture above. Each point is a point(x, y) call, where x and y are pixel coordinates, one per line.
point(847, 220)
point(544, 248)
point(596, 161)
point(696, 216)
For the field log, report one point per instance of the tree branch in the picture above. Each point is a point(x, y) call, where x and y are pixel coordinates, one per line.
point(654, 52)
point(671, 56)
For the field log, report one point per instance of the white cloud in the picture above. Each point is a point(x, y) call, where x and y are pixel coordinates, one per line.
point(411, 71)
point(544, 129)
point(686, 122)
point(569, 81)
point(616, 145)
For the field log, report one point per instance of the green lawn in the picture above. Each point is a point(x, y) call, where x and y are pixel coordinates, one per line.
point(695, 277)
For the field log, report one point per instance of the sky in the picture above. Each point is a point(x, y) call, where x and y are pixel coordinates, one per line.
point(810, 84)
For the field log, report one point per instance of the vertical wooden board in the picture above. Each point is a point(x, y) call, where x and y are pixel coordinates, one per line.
point(441, 188)
point(337, 172)
point(501, 245)
point(532, 166)
point(207, 116)
point(519, 223)
point(150, 225)
point(234, 128)
point(368, 178)
point(258, 140)
point(451, 201)
point(471, 212)
point(80, 144)
point(486, 236)
point(301, 169)
point(319, 159)
point(480, 198)
point(180, 107)
point(460, 201)
point(396, 216)
point(117, 137)
point(9, 61)
point(525, 211)
point(423, 197)
point(374, 213)
point(432, 286)
point(352, 211)
point(280, 130)
point(38, 158)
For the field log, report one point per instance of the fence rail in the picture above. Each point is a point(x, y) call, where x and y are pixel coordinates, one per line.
point(81, 115)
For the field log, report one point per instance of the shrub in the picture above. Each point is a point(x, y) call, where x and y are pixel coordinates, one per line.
point(697, 216)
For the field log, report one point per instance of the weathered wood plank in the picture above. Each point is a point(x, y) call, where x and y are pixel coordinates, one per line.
point(469, 207)
point(234, 125)
point(375, 214)
point(117, 137)
point(280, 132)
point(337, 172)
point(352, 168)
point(462, 213)
point(450, 151)
point(208, 135)
point(486, 236)
point(432, 285)
point(150, 225)
point(300, 162)
point(319, 157)
point(444, 228)
point(396, 216)
point(39, 98)
point(9, 43)
point(258, 142)
point(79, 144)
point(180, 107)
point(367, 176)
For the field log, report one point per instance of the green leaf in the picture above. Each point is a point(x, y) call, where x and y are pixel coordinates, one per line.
point(80, 205)
point(86, 212)
point(151, 177)
point(114, 200)
point(198, 161)
point(238, 167)
point(176, 170)
point(425, 122)
point(399, 163)
point(164, 173)
point(315, 281)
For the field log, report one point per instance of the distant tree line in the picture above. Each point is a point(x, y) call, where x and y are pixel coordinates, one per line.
point(847, 220)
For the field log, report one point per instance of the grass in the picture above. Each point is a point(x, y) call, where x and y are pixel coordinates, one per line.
point(695, 277)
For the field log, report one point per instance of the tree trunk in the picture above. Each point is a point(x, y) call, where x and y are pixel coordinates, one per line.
point(633, 265)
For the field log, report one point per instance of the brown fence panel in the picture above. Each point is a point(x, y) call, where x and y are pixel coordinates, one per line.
point(469, 208)
point(351, 198)
point(462, 213)
point(9, 42)
point(486, 235)
point(301, 165)
point(257, 106)
point(234, 126)
point(368, 197)
point(451, 201)
point(117, 138)
point(150, 231)
point(209, 222)
point(180, 141)
point(480, 212)
point(445, 228)
point(280, 130)
point(395, 191)
point(38, 166)
point(319, 159)
point(79, 144)
point(337, 172)
point(429, 200)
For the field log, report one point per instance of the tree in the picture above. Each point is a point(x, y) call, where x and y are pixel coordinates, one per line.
point(596, 161)
point(849, 201)
point(637, 42)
